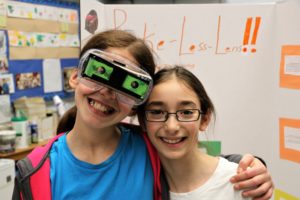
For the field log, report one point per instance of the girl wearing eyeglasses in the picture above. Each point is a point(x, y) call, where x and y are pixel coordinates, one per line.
point(177, 109)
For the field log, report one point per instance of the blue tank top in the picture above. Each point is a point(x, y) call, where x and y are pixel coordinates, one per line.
point(127, 174)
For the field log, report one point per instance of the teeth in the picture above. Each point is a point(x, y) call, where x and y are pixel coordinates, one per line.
point(100, 107)
point(170, 141)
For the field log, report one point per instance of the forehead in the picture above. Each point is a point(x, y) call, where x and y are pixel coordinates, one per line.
point(123, 52)
point(173, 92)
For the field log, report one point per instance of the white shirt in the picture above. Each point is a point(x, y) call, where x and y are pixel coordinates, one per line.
point(217, 187)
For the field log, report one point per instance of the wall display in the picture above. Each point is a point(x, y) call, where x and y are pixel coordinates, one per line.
point(52, 75)
point(32, 39)
point(3, 48)
point(5, 109)
point(35, 32)
point(290, 67)
point(6, 84)
point(42, 31)
point(3, 64)
point(91, 22)
point(235, 51)
point(36, 11)
point(289, 139)
point(28, 80)
point(66, 76)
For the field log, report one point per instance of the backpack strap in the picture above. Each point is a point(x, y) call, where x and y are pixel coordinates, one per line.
point(34, 170)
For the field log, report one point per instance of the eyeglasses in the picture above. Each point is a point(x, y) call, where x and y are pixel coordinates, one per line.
point(97, 87)
point(186, 115)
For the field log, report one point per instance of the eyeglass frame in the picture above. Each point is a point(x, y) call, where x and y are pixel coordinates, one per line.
point(166, 114)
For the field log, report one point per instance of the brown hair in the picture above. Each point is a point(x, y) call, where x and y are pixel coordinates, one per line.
point(187, 78)
point(103, 40)
point(67, 121)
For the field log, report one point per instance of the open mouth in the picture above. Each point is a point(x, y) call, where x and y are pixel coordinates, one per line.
point(107, 110)
point(172, 141)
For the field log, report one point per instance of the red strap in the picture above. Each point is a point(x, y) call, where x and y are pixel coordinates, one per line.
point(155, 162)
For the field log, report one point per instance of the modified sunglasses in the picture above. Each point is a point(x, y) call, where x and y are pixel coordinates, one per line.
point(99, 69)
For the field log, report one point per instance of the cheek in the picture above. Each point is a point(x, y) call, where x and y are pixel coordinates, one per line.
point(85, 90)
point(193, 130)
point(152, 129)
point(126, 109)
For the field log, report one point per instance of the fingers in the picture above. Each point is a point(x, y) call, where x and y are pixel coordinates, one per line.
point(247, 175)
point(264, 191)
point(259, 187)
point(268, 195)
point(253, 178)
point(245, 162)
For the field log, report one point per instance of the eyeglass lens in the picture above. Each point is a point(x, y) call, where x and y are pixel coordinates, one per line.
point(181, 115)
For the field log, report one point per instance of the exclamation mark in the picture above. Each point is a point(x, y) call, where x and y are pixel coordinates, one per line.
point(247, 33)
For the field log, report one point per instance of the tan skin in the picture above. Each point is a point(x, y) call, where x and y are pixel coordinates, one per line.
point(254, 177)
point(94, 142)
point(186, 167)
point(89, 140)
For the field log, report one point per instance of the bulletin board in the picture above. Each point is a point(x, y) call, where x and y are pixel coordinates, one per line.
point(39, 38)
point(246, 55)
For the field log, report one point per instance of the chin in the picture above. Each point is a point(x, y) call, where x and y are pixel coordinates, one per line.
point(171, 155)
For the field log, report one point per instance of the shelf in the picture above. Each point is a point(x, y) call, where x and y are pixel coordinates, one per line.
point(18, 154)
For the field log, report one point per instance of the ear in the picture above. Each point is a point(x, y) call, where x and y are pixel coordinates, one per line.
point(204, 122)
point(73, 80)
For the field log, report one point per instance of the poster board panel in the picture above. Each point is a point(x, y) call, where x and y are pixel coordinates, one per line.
point(289, 139)
point(290, 67)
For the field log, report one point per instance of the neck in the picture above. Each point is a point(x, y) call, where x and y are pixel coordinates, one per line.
point(93, 145)
point(187, 174)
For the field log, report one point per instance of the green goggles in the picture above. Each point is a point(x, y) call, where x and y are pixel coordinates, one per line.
point(98, 69)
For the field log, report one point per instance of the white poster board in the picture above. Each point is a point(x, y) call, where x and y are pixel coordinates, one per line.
point(234, 50)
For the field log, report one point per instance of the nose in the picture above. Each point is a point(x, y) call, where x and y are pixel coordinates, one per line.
point(172, 124)
point(108, 93)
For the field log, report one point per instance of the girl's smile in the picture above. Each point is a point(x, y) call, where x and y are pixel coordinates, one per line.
point(173, 138)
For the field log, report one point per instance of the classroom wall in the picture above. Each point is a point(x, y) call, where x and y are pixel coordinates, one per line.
point(157, 1)
point(236, 51)
point(35, 31)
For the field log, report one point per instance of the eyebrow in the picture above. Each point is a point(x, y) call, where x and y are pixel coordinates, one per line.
point(187, 103)
point(155, 103)
point(182, 103)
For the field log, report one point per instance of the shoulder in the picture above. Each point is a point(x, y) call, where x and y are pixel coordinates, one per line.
point(130, 133)
point(132, 139)
point(35, 159)
point(131, 127)
point(40, 153)
point(226, 167)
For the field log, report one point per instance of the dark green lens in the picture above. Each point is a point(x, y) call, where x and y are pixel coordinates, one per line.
point(136, 86)
point(98, 69)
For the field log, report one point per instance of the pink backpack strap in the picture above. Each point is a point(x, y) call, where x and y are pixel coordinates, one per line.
point(40, 178)
point(37, 155)
point(156, 167)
